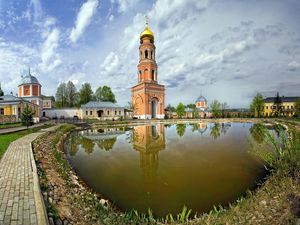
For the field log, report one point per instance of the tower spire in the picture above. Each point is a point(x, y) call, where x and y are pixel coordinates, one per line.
point(146, 20)
point(29, 70)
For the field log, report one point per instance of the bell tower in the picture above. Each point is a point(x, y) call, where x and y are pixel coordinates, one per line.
point(148, 96)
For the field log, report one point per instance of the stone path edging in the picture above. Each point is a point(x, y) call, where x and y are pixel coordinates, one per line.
point(21, 201)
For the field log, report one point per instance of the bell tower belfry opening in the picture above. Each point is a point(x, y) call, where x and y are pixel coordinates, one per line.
point(148, 97)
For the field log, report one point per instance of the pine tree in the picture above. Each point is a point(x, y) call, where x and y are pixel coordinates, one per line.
point(27, 116)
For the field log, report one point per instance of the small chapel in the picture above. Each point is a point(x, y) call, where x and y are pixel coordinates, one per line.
point(148, 96)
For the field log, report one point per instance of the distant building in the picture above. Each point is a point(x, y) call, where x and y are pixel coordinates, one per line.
point(286, 104)
point(201, 110)
point(48, 102)
point(102, 111)
point(11, 108)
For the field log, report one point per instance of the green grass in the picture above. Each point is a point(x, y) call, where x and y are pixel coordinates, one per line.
point(8, 125)
point(6, 139)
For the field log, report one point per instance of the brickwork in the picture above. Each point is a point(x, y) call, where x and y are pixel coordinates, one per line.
point(148, 96)
point(8, 119)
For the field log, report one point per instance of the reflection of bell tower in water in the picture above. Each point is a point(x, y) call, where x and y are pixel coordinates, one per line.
point(148, 96)
point(149, 140)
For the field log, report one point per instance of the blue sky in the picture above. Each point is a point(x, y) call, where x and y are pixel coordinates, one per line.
point(226, 50)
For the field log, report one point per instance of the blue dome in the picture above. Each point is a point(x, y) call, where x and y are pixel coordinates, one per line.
point(201, 99)
point(29, 79)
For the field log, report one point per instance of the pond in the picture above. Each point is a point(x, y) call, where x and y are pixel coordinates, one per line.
point(164, 167)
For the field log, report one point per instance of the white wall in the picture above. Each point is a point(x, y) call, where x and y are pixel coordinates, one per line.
point(66, 113)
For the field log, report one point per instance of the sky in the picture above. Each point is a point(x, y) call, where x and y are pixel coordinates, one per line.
point(225, 50)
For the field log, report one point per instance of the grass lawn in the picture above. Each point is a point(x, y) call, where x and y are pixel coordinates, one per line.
point(7, 125)
point(6, 139)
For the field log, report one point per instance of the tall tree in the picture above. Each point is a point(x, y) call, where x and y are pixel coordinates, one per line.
point(105, 94)
point(297, 108)
point(216, 108)
point(61, 97)
point(180, 110)
point(224, 107)
point(278, 103)
point(98, 94)
point(27, 116)
point(85, 93)
point(257, 105)
point(70, 94)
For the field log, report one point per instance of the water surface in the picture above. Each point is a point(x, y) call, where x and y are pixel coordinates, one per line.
point(164, 167)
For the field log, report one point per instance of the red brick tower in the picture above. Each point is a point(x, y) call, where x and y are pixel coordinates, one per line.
point(148, 97)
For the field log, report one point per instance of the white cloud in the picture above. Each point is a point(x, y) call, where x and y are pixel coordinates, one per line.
point(37, 9)
point(111, 17)
point(293, 66)
point(124, 5)
point(84, 17)
point(50, 59)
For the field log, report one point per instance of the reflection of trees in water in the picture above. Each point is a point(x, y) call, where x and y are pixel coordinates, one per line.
point(106, 144)
point(180, 128)
point(258, 132)
point(87, 144)
point(194, 127)
point(215, 131)
point(73, 143)
point(225, 127)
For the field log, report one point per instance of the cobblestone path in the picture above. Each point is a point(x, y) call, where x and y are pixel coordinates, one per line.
point(20, 196)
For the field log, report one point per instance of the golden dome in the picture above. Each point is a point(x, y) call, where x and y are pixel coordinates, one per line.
point(147, 32)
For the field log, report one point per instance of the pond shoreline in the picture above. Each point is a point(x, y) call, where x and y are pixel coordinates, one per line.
point(107, 213)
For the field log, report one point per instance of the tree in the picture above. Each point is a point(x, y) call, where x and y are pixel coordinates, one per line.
point(61, 98)
point(257, 105)
point(98, 94)
point(297, 108)
point(27, 116)
point(1, 92)
point(180, 110)
point(224, 107)
point(85, 93)
point(216, 108)
point(277, 102)
point(70, 94)
point(104, 94)
point(107, 94)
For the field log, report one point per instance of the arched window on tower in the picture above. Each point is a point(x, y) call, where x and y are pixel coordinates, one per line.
point(140, 75)
point(146, 54)
point(152, 75)
point(151, 54)
point(146, 75)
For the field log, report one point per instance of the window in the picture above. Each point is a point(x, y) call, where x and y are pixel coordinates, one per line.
point(292, 107)
point(115, 112)
point(152, 74)
point(287, 106)
point(151, 55)
point(91, 112)
point(107, 112)
point(146, 54)
point(266, 107)
point(119, 112)
point(86, 113)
